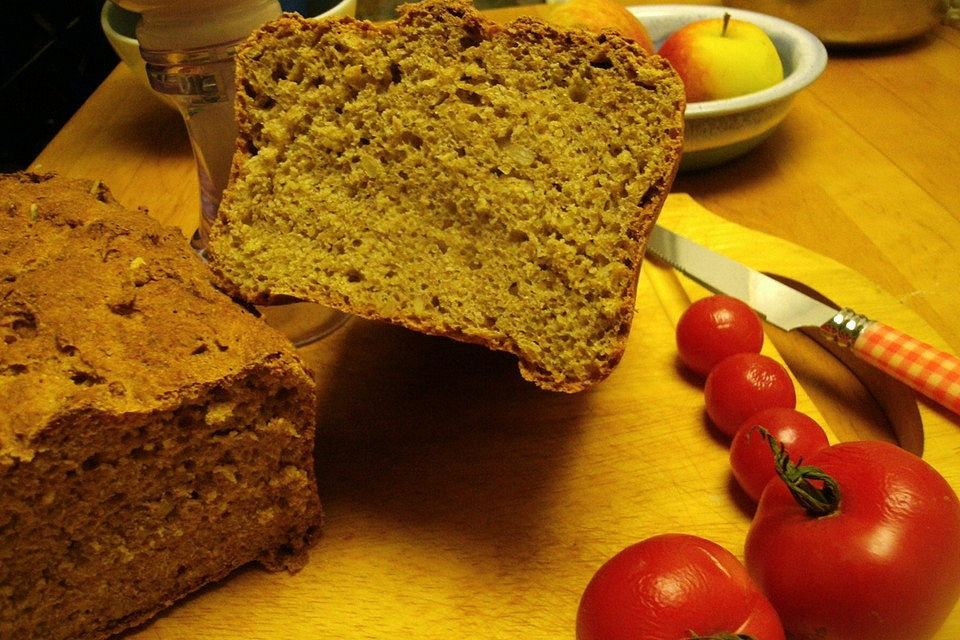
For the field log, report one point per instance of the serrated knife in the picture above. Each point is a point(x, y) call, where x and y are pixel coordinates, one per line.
point(924, 368)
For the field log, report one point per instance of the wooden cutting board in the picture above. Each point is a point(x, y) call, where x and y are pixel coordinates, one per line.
point(462, 502)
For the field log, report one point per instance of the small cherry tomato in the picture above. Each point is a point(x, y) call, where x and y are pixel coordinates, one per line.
point(862, 542)
point(715, 327)
point(751, 458)
point(673, 587)
point(741, 385)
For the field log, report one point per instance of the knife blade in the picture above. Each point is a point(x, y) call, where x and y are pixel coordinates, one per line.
point(924, 368)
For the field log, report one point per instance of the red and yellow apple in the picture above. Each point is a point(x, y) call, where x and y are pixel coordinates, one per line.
point(596, 15)
point(722, 58)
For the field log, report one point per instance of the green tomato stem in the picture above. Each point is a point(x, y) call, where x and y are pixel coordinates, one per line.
point(816, 501)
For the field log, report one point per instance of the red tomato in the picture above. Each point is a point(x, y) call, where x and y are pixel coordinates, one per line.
point(883, 565)
point(751, 458)
point(670, 587)
point(743, 384)
point(715, 327)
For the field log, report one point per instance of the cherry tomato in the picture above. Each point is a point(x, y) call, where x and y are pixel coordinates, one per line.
point(715, 327)
point(751, 458)
point(670, 587)
point(741, 385)
point(875, 553)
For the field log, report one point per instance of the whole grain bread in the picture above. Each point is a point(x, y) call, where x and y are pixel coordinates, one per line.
point(495, 184)
point(154, 436)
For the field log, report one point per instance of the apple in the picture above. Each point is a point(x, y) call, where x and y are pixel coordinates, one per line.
point(596, 15)
point(722, 58)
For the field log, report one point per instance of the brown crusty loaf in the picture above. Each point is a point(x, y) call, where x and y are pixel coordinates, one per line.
point(154, 436)
point(492, 184)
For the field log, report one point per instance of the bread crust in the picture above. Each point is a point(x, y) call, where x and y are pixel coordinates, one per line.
point(137, 401)
point(633, 65)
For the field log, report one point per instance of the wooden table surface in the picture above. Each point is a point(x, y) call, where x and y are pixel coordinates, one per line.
point(863, 170)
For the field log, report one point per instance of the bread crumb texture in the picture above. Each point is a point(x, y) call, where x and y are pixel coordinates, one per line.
point(492, 184)
point(154, 435)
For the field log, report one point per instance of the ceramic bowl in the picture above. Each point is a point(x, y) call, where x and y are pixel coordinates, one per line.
point(119, 25)
point(720, 130)
point(844, 23)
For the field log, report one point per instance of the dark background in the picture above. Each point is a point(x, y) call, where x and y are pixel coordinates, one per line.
point(53, 54)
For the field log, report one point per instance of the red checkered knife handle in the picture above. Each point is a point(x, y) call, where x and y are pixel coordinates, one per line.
point(922, 367)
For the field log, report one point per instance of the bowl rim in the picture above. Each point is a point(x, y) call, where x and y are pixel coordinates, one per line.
point(811, 60)
point(108, 10)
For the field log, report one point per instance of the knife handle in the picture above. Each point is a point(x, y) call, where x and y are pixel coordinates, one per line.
point(922, 367)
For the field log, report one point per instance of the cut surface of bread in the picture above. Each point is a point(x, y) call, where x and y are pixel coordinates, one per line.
point(154, 435)
point(494, 184)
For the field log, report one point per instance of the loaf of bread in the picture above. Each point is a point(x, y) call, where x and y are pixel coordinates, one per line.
point(154, 435)
point(492, 184)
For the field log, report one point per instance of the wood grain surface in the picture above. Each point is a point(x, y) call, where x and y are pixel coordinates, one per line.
point(463, 502)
